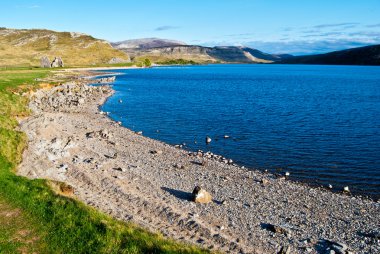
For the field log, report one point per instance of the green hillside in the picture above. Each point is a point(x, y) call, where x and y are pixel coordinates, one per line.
point(26, 47)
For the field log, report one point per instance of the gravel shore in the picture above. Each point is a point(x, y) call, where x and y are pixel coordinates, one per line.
point(135, 178)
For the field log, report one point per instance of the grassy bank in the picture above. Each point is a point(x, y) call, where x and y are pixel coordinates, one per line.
point(33, 219)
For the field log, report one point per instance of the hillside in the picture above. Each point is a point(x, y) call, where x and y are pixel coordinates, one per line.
point(146, 43)
point(200, 54)
point(369, 55)
point(26, 47)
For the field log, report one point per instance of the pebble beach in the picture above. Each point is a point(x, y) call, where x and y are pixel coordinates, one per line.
point(147, 182)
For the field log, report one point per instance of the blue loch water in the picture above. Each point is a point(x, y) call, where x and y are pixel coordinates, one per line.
point(320, 123)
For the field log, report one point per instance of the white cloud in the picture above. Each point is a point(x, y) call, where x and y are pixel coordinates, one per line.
point(34, 6)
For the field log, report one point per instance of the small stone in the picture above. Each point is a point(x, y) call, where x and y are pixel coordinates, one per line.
point(287, 174)
point(340, 248)
point(139, 132)
point(63, 167)
point(330, 186)
point(111, 156)
point(264, 181)
point(66, 189)
point(75, 159)
point(208, 140)
point(201, 196)
point(224, 202)
point(119, 123)
point(285, 250)
point(156, 152)
point(120, 169)
point(230, 161)
point(346, 189)
point(179, 166)
point(278, 229)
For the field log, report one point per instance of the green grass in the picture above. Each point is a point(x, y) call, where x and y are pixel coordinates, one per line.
point(18, 233)
point(47, 222)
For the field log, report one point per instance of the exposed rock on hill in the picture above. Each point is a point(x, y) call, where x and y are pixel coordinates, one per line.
point(117, 60)
point(228, 54)
point(146, 43)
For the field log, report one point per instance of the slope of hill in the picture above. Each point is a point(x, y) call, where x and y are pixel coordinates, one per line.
point(22, 47)
point(200, 54)
point(146, 43)
point(369, 55)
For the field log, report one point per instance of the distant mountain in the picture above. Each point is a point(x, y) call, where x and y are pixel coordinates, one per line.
point(146, 43)
point(369, 55)
point(23, 47)
point(160, 50)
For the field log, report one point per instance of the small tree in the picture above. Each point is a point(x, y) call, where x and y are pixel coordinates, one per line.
point(147, 62)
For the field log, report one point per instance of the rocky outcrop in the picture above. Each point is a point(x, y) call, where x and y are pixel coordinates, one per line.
point(117, 60)
point(57, 62)
point(45, 62)
point(70, 96)
point(201, 196)
point(105, 80)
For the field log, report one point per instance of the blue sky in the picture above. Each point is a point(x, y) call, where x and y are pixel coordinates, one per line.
point(274, 26)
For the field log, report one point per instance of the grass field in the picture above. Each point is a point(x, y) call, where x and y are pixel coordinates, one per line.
point(34, 219)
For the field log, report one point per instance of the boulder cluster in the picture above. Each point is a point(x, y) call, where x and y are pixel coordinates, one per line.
point(117, 60)
point(57, 62)
point(211, 156)
point(65, 97)
point(105, 80)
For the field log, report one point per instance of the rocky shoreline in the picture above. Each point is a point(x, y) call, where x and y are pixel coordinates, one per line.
point(135, 178)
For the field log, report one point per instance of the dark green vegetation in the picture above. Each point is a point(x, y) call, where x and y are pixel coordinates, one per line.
point(34, 219)
point(147, 62)
point(177, 62)
point(369, 55)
